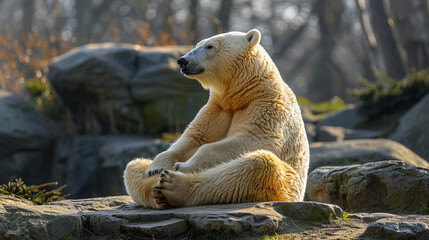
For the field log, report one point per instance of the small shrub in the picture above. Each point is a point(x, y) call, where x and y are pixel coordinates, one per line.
point(170, 137)
point(387, 96)
point(333, 105)
point(46, 99)
point(424, 210)
point(346, 216)
point(34, 193)
point(35, 87)
point(67, 236)
point(276, 237)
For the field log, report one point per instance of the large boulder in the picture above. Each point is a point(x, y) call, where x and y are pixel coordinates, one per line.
point(378, 186)
point(93, 166)
point(396, 230)
point(124, 88)
point(112, 217)
point(413, 130)
point(26, 140)
point(346, 118)
point(361, 151)
point(332, 133)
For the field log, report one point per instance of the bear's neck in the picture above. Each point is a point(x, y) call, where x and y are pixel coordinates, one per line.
point(256, 79)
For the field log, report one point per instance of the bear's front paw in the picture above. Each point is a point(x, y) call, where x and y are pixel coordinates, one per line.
point(153, 172)
point(183, 167)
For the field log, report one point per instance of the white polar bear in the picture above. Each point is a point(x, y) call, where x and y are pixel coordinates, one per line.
point(247, 144)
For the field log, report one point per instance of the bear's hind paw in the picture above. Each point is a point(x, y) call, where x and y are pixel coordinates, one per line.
point(171, 190)
point(159, 198)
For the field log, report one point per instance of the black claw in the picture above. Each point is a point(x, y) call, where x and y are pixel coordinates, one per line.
point(162, 181)
point(166, 171)
point(162, 175)
point(155, 171)
point(158, 187)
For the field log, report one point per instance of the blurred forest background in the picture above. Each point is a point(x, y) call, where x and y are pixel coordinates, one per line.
point(111, 102)
point(321, 47)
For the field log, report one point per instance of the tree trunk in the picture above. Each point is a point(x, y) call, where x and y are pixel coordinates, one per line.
point(385, 41)
point(370, 57)
point(411, 19)
point(224, 14)
point(168, 16)
point(84, 20)
point(193, 26)
point(327, 79)
point(28, 9)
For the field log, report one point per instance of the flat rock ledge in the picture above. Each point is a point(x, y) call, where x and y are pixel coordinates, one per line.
point(118, 218)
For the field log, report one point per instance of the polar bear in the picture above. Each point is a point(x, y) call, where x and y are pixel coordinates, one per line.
point(247, 144)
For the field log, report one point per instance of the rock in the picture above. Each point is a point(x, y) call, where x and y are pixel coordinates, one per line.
point(310, 129)
point(14, 200)
point(93, 166)
point(123, 88)
point(413, 129)
point(361, 151)
point(331, 133)
point(26, 139)
point(372, 217)
point(165, 228)
point(377, 186)
point(308, 116)
point(347, 118)
point(111, 217)
point(25, 224)
point(397, 231)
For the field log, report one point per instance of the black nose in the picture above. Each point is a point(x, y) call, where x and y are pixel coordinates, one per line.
point(182, 62)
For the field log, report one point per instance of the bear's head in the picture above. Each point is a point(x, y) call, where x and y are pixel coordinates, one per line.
point(215, 60)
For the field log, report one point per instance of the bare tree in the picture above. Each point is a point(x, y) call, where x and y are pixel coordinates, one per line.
point(369, 58)
point(411, 19)
point(28, 11)
point(86, 15)
point(193, 25)
point(385, 40)
point(224, 14)
point(327, 78)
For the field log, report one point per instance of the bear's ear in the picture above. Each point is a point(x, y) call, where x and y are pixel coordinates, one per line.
point(253, 37)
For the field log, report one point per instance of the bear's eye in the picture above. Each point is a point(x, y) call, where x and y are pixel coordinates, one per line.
point(209, 47)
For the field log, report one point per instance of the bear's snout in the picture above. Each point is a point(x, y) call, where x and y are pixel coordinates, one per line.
point(182, 62)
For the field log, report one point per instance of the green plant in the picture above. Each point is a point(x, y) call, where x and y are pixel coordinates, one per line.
point(123, 237)
point(46, 99)
point(67, 236)
point(424, 210)
point(346, 216)
point(35, 87)
point(333, 105)
point(276, 237)
point(35, 193)
point(170, 137)
point(387, 96)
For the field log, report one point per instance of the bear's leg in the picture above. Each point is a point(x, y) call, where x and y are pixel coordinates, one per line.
point(255, 177)
point(138, 186)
